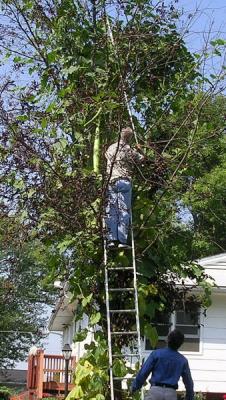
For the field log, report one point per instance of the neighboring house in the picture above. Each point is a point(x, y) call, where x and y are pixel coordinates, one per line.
point(14, 378)
point(205, 337)
point(62, 320)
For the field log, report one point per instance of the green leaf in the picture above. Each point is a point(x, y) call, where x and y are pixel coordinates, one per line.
point(17, 59)
point(30, 192)
point(60, 145)
point(218, 42)
point(63, 142)
point(52, 56)
point(152, 334)
point(65, 244)
point(7, 55)
point(142, 306)
point(87, 300)
point(82, 371)
point(71, 69)
point(51, 106)
point(44, 81)
point(76, 393)
point(217, 52)
point(19, 184)
point(80, 336)
point(95, 318)
point(22, 117)
point(28, 5)
point(146, 268)
point(99, 397)
point(23, 216)
point(44, 123)
point(122, 259)
point(119, 368)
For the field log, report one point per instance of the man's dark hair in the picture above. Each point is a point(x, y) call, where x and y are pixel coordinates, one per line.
point(175, 339)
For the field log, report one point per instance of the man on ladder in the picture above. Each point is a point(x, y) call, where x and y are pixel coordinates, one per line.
point(121, 159)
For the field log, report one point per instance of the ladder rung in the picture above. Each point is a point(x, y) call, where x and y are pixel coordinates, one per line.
point(123, 311)
point(120, 268)
point(124, 333)
point(128, 289)
point(125, 355)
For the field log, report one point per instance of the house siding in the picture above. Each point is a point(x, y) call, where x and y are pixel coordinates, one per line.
point(209, 366)
point(78, 348)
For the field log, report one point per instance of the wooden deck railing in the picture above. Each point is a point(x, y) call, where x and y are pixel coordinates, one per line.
point(54, 369)
point(46, 375)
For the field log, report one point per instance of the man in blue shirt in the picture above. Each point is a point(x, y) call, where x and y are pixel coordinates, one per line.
point(167, 366)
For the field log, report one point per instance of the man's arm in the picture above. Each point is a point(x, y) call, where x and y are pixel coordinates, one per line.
point(188, 382)
point(143, 373)
point(137, 154)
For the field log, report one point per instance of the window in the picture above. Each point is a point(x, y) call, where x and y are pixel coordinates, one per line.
point(162, 323)
point(189, 325)
point(185, 322)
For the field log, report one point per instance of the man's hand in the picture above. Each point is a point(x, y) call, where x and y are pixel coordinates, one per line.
point(138, 146)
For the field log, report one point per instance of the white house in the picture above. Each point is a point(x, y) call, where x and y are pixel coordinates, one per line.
point(205, 339)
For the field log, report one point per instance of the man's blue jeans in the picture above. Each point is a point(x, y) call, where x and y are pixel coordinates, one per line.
point(118, 210)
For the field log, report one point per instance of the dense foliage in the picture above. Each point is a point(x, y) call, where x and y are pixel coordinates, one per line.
point(24, 296)
point(6, 392)
point(62, 104)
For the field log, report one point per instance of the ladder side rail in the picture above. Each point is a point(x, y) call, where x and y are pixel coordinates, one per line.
point(108, 322)
point(121, 77)
point(136, 298)
point(136, 293)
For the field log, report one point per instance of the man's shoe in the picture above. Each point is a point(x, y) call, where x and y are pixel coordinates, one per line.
point(112, 245)
point(124, 246)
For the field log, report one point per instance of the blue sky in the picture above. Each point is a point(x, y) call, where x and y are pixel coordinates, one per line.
point(206, 15)
point(201, 22)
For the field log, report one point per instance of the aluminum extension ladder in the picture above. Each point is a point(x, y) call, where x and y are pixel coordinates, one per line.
point(110, 270)
point(135, 310)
